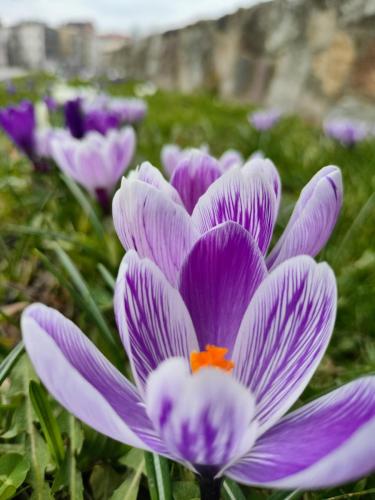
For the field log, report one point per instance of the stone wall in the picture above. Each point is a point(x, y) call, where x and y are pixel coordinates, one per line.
point(310, 56)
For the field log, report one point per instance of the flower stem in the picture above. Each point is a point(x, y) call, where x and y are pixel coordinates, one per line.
point(209, 487)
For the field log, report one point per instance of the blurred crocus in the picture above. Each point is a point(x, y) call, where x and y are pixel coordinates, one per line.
point(153, 218)
point(347, 132)
point(264, 120)
point(96, 162)
point(10, 87)
point(19, 123)
point(217, 363)
point(80, 121)
point(128, 110)
point(50, 102)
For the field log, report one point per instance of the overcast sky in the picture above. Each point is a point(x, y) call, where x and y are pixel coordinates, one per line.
point(124, 16)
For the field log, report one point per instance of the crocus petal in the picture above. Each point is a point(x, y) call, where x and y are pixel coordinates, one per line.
point(152, 318)
point(149, 222)
point(325, 443)
point(230, 159)
point(82, 379)
point(218, 280)
point(193, 175)
point(246, 199)
point(170, 156)
point(119, 151)
point(264, 166)
point(148, 173)
point(313, 218)
point(205, 418)
point(284, 334)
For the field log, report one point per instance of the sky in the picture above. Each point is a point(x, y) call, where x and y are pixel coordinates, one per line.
point(120, 16)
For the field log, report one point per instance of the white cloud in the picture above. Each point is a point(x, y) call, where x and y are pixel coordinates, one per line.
point(119, 15)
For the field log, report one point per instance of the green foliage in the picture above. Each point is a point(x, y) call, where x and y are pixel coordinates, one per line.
point(58, 248)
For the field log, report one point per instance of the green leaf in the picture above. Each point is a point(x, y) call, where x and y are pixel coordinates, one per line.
point(185, 490)
point(85, 205)
point(286, 495)
point(231, 490)
point(47, 421)
point(103, 481)
point(13, 471)
point(8, 363)
point(128, 490)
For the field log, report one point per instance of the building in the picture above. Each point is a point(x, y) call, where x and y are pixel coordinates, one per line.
point(4, 51)
point(77, 42)
point(107, 45)
point(33, 45)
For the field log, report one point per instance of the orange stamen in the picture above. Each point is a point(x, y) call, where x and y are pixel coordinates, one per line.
point(212, 356)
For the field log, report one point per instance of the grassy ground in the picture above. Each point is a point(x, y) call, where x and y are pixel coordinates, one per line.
point(57, 250)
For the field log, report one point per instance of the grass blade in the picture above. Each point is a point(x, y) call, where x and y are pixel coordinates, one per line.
point(107, 276)
point(163, 478)
point(85, 205)
point(231, 491)
point(12, 358)
point(47, 421)
point(84, 291)
point(151, 476)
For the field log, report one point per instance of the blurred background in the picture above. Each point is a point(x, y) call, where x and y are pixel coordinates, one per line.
point(314, 57)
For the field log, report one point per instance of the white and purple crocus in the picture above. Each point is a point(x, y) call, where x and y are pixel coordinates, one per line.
point(97, 161)
point(221, 345)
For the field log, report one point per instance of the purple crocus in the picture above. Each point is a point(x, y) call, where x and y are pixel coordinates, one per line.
point(347, 132)
point(19, 123)
point(153, 218)
point(217, 361)
point(264, 120)
point(96, 162)
point(171, 155)
point(80, 121)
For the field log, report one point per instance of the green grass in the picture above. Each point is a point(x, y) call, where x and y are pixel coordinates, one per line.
point(42, 222)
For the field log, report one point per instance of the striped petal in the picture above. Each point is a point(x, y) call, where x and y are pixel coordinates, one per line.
point(151, 316)
point(325, 443)
point(266, 168)
point(284, 334)
point(247, 199)
point(193, 175)
point(149, 222)
point(83, 381)
point(218, 280)
point(148, 173)
point(205, 418)
point(313, 218)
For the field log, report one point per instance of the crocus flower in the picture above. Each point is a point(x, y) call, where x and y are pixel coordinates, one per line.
point(80, 121)
point(217, 363)
point(50, 102)
point(128, 110)
point(171, 155)
point(150, 216)
point(347, 132)
point(96, 162)
point(265, 119)
point(19, 123)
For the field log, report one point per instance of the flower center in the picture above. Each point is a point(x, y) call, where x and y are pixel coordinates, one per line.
point(213, 356)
